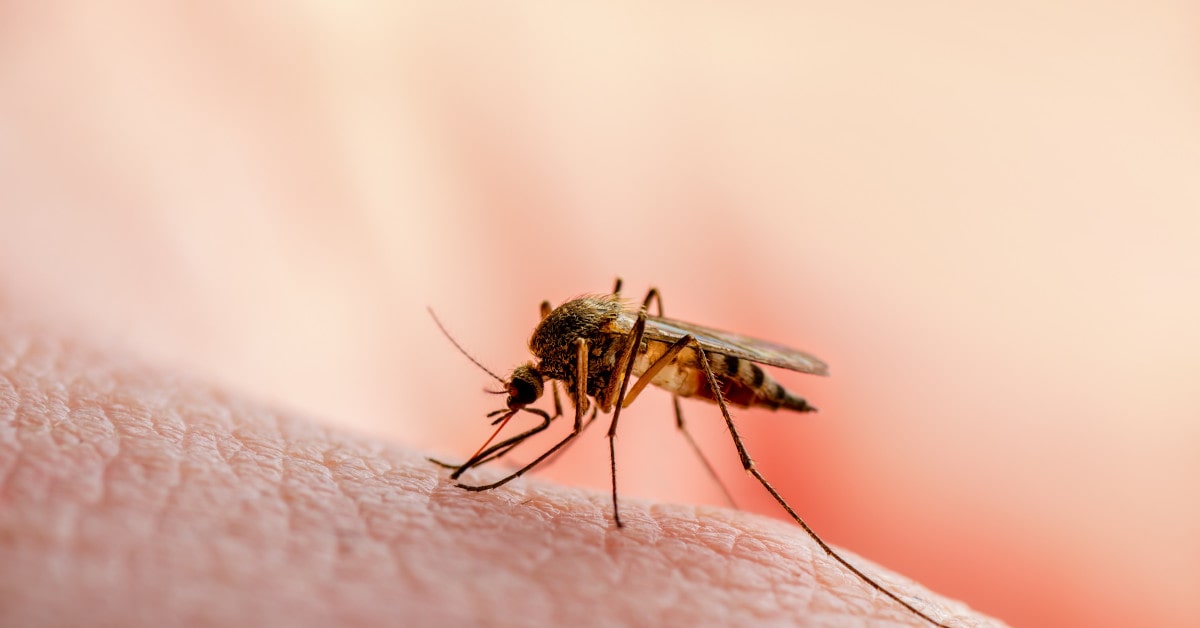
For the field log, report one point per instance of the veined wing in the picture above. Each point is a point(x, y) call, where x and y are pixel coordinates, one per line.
point(728, 343)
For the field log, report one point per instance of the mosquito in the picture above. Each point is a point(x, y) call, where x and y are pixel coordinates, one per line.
point(595, 345)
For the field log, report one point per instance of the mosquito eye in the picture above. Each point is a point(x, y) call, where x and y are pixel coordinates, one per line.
point(522, 392)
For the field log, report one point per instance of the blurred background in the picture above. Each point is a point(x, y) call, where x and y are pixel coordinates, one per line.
point(985, 218)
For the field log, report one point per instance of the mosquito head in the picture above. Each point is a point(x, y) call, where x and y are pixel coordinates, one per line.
point(524, 386)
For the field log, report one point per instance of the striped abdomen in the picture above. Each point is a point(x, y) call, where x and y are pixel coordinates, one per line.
point(742, 382)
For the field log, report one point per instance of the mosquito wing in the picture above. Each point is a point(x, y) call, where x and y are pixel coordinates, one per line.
point(728, 343)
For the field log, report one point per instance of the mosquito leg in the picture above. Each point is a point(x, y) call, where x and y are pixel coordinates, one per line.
point(653, 295)
point(627, 359)
point(748, 465)
point(499, 449)
point(652, 371)
point(558, 454)
point(477, 463)
point(522, 470)
point(493, 452)
point(557, 401)
point(496, 456)
point(667, 357)
point(502, 448)
point(712, 473)
point(581, 356)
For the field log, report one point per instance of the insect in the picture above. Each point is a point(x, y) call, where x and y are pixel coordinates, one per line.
point(595, 345)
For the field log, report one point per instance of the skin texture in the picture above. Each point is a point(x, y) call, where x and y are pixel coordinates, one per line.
point(130, 496)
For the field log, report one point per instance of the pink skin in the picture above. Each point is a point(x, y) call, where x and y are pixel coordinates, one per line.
point(131, 496)
point(981, 215)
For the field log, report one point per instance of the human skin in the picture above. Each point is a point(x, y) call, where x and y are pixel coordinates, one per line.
point(981, 215)
point(137, 497)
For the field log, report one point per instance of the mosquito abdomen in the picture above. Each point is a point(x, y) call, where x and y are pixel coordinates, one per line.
point(747, 384)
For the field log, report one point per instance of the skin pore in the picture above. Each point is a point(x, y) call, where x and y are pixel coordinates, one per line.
point(134, 496)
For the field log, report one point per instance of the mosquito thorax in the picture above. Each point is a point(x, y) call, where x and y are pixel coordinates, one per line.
point(554, 338)
point(524, 386)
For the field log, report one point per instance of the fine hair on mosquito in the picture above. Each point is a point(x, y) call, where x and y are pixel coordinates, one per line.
point(595, 345)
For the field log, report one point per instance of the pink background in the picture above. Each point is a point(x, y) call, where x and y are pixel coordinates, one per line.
point(987, 220)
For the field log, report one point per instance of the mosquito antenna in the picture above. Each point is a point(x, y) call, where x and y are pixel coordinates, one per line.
point(460, 349)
